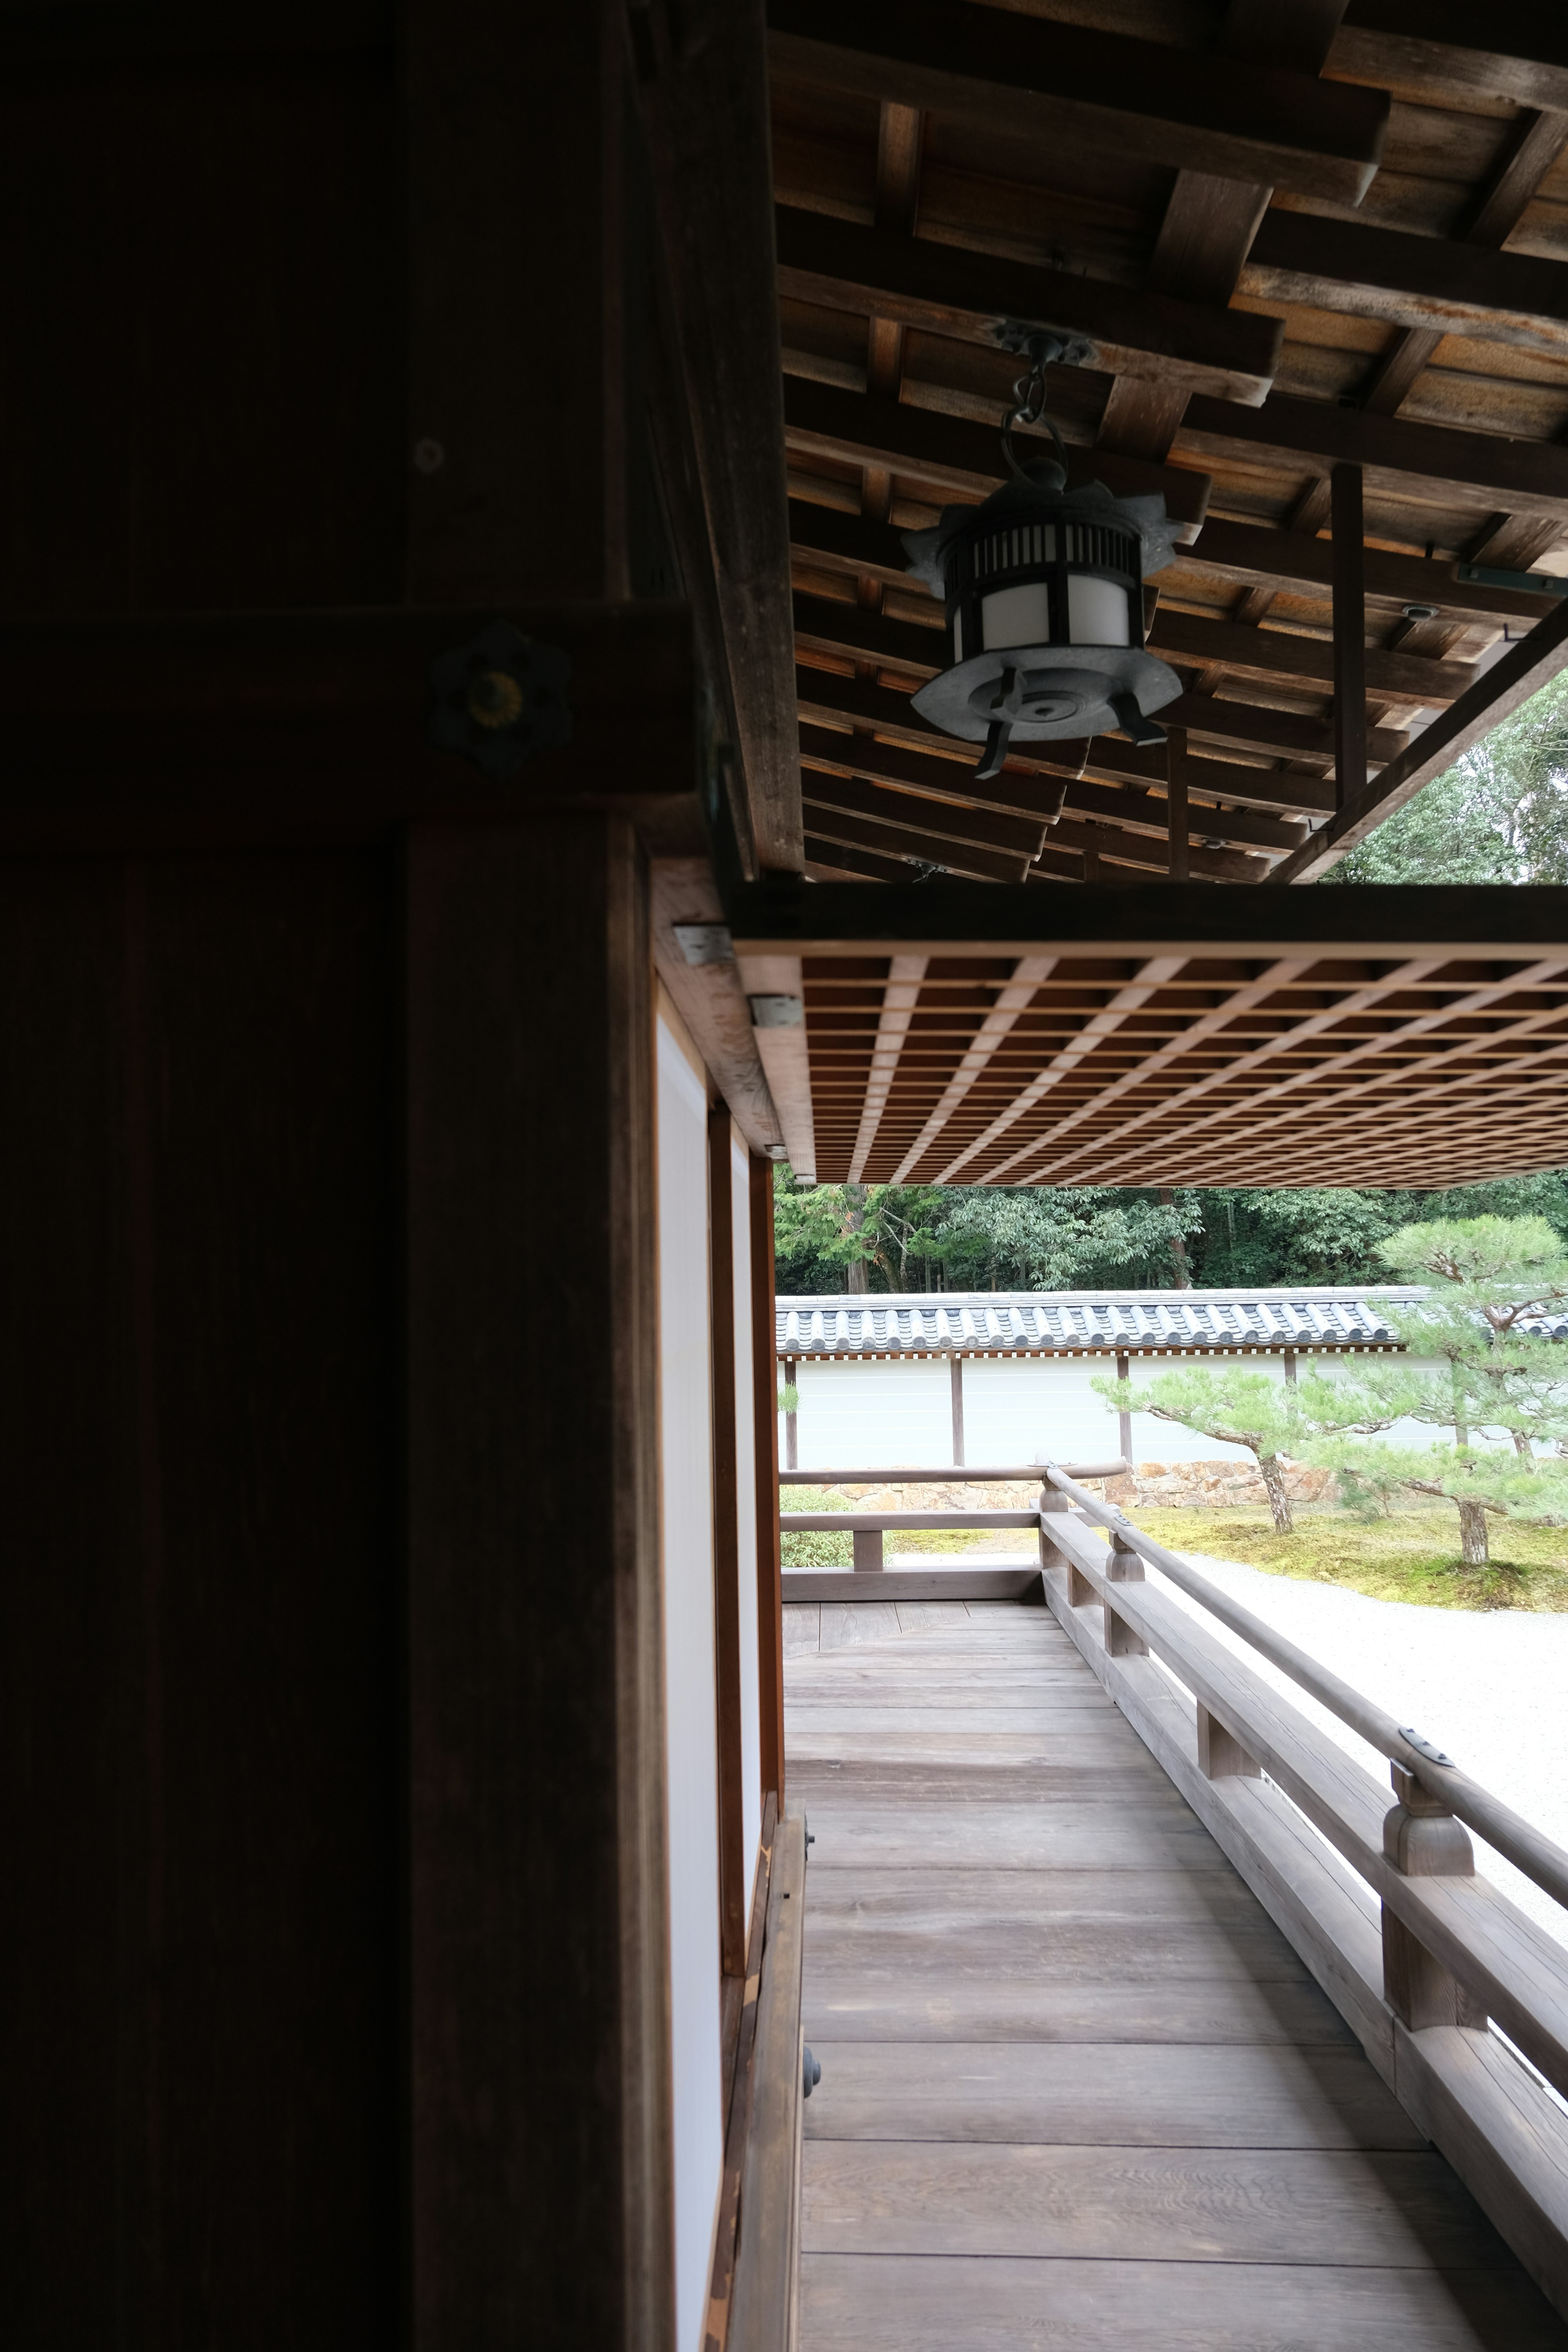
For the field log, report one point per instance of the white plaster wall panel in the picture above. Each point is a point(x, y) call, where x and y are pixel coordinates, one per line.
point(867, 1415)
point(1018, 1407)
point(746, 1508)
point(691, 1704)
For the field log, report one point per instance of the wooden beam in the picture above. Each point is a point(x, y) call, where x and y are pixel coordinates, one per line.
point(900, 997)
point(1019, 838)
point(1008, 794)
point(1350, 636)
point(1128, 849)
point(1041, 797)
point(705, 109)
point(1276, 656)
point(708, 996)
point(325, 717)
point(1411, 281)
point(963, 459)
point(1398, 457)
point(1240, 553)
point(784, 1054)
point(925, 844)
point(1249, 556)
point(1063, 86)
point(1283, 656)
point(1537, 143)
point(1483, 921)
point(1515, 49)
point(948, 290)
point(1210, 222)
point(1524, 671)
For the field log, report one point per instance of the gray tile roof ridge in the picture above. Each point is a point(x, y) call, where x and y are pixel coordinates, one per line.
point(1307, 1293)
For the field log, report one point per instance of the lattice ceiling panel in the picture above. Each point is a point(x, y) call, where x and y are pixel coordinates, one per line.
point(1181, 1062)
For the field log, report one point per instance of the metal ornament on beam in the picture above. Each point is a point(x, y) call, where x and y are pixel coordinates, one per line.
point(1043, 589)
point(500, 698)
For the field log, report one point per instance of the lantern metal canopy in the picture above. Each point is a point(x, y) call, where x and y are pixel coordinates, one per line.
point(1044, 593)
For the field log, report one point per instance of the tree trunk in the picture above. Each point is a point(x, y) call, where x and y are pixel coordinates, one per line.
point(858, 1273)
point(1178, 1246)
point(1472, 1534)
point(1278, 1500)
point(1522, 1444)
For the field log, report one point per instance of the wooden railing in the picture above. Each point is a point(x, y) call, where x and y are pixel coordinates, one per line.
point(867, 1529)
point(767, 2133)
point(1421, 1957)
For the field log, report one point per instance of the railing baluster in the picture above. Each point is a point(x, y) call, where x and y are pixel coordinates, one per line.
point(1122, 1567)
point(1422, 1839)
point(1221, 1756)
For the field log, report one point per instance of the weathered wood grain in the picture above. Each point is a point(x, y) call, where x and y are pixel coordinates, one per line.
point(1367, 2209)
point(1112, 2094)
point(866, 2303)
point(842, 2007)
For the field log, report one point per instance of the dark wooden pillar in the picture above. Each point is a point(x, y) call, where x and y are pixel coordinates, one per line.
point(734, 1877)
point(1348, 526)
point(540, 2176)
point(765, 1391)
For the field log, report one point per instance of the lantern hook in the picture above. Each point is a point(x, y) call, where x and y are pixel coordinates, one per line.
point(1040, 347)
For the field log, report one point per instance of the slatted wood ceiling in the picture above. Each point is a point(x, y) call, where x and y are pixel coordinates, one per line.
point(1418, 272)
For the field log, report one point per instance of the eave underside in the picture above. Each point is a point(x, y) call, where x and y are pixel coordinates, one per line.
point(1420, 359)
point(1406, 1038)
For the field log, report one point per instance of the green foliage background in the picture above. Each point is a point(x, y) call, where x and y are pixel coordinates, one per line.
point(977, 1237)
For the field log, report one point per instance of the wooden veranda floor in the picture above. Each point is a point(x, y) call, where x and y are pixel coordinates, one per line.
point(1077, 2089)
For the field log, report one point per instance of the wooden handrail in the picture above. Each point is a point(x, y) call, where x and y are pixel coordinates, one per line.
point(959, 1473)
point(1529, 1849)
point(1417, 1952)
point(866, 1521)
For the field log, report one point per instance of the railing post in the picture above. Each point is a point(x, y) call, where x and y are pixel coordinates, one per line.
point(1221, 1756)
point(867, 1542)
point(1079, 1589)
point(1123, 1567)
point(1422, 1839)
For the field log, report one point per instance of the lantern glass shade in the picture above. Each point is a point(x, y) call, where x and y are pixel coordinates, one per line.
point(1044, 595)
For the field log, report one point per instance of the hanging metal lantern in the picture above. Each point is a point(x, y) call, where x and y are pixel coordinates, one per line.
point(1044, 591)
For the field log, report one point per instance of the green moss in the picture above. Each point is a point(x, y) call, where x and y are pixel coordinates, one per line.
point(1412, 1556)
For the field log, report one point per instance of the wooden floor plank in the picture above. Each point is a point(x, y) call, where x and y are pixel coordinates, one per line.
point(1077, 2093)
point(842, 2007)
point(1073, 1834)
point(881, 2303)
point(802, 1628)
point(931, 1616)
point(1074, 1951)
point(828, 1716)
point(1106, 2094)
point(908, 1897)
point(1370, 2209)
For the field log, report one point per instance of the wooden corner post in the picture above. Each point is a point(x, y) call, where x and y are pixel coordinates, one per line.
point(764, 1393)
point(1422, 1839)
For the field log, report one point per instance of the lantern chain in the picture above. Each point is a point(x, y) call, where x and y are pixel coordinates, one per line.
point(1029, 401)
